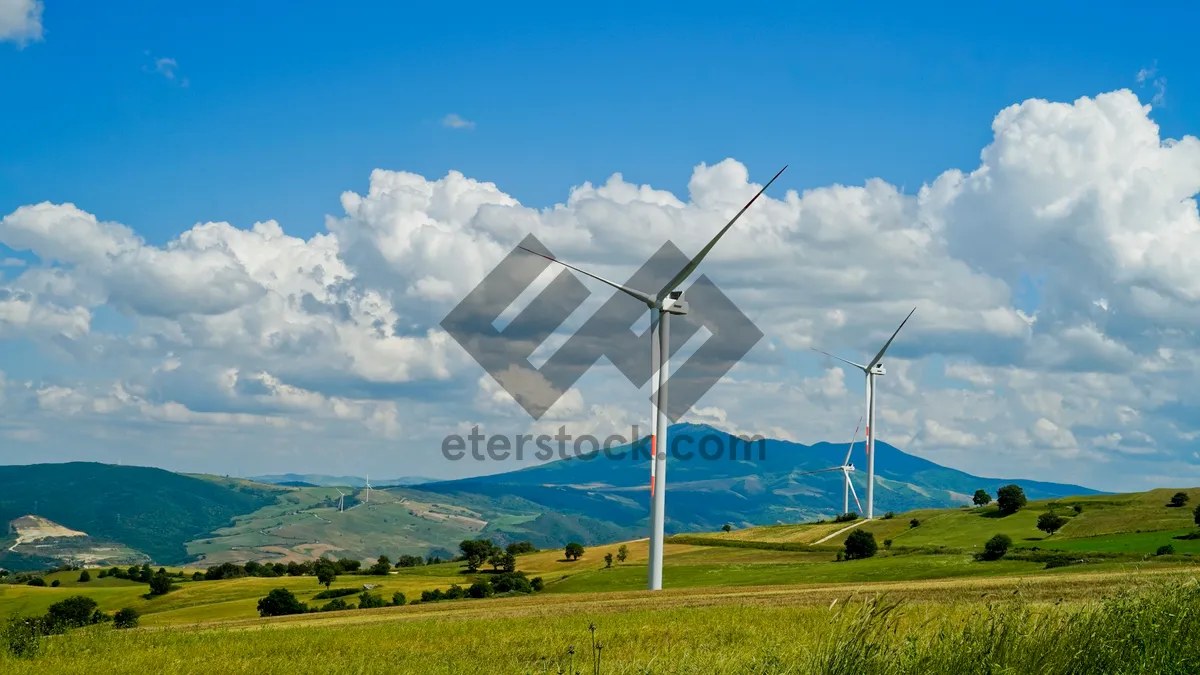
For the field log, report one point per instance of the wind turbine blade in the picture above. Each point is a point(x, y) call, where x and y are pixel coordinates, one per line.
point(809, 473)
point(889, 342)
point(856, 365)
point(628, 291)
point(691, 266)
point(851, 484)
point(852, 439)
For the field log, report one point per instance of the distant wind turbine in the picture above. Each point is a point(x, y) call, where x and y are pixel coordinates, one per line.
point(846, 468)
point(871, 370)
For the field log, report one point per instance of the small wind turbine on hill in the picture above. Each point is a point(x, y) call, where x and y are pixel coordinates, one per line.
point(341, 500)
point(662, 305)
point(871, 370)
point(368, 499)
point(846, 468)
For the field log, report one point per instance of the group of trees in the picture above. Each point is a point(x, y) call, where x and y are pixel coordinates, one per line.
point(1009, 499)
point(22, 635)
point(478, 552)
point(486, 587)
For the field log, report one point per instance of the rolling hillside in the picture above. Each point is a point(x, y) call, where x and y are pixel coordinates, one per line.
point(149, 510)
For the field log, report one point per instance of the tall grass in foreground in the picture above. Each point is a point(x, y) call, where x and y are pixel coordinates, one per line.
point(1152, 629)
point(1147, 628)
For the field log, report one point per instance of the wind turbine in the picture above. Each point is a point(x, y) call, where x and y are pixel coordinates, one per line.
point(871, 370)
point(846, 468)
point(662, 305)
point(368, 500)
point(341, 500)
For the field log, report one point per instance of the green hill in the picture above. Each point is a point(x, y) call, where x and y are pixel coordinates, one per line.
point(1137, 523)
point(150, 510)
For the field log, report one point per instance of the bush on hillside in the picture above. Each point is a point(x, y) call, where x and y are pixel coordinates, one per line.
point(74, 612)
point(1050, 523)
point(914, 523)
point(398, 599)
point(126, 617)
point(85, 576)
point(336, 605)
point(280, 602)
point(846, 517)
point(368, 600)
point(1165, 550)
point(479, 589)
point(1178, 499)
point(335, 593)
point(860, 544)
point(996, 547)
point(981, 498)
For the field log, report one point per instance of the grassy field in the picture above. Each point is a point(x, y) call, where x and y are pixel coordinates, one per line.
point(1059, 624)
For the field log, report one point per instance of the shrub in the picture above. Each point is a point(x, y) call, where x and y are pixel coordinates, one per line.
point(280, 602)
point(1196, 514)
point(368, 600)
point(860, 544)
point(889, 515)
point(479, 589)
point(997, 546)
point(512, 582)
point(160, 584)
point(608, 560)
point(1178, 499)
point(887, 543)
point(1078, 508)
point(335, 593)
point(410, 561)
point(335, 605)
point(1050, 522)
point(126, 617)
point(537, 584)
point(1165, 550)
point(23, 636)
point(36, 581)
point(55, 584)
point(85, 576)
point(914, 523)
point(198, 576)
point(1010, 499)
point(74, 612)
point(435, 595)
point(398, 599)
point(846, 517)
point(519, 547)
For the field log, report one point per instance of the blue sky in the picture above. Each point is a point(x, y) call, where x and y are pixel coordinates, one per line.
point(159, 117)
point(290, 103)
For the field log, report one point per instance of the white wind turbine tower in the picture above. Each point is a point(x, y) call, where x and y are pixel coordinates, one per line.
point(872, 370)
point(846, 468)
point(662, 305)
point(341, 500)
point(368, 499)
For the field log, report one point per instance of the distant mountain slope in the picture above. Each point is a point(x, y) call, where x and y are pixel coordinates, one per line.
point(322, 480)
point(756, 486)
point(150, 510)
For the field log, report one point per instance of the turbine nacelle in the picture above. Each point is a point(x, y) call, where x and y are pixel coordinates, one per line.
point(879, 369)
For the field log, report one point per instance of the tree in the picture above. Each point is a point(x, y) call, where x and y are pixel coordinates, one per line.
point(382, 566)
point(981, 498)
point(623, 551)
point(36, 581)
point(347, 565)
point(85, 576)
point(496, 558)
point(1179, 499)
point(509, 562)
point(519, 547)
point(56, 583)
point(1050, 522)
point(398, 599)
point(126, 617)
point(727, 527)
point(1165, 550)
point(860, 544)
point(73, 612)
point(476, 552)
point(537, 584)
point(608, 558)
point(914, 523)
point(1010, 499)
point(280, 602)
point(1196, 514)
point(409, 561)
point(160, 584)
point(198, 576)
point(574, 550)
point(887, 543)
point(326, 573)
point(996, 547)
